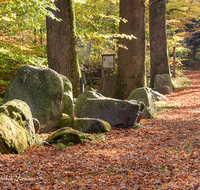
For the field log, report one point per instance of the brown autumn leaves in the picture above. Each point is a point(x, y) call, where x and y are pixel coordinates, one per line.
point(161, 153)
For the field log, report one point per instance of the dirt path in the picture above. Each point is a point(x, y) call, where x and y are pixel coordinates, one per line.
point(163, 153)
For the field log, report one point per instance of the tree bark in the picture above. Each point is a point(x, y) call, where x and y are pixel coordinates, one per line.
point(131, 62)
point(158, 39)
point(61, 44)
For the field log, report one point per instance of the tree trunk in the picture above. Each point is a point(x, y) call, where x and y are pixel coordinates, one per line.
point(61, 44)
point(158, 39)
point(131, 62)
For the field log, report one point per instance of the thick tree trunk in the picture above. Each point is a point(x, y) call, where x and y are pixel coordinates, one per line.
point(158, 39)
point(61, 44)
point(131, 62)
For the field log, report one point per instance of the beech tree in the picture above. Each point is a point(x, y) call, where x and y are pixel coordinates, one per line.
point(158, 39)
point(61, 43)
point(131, 61)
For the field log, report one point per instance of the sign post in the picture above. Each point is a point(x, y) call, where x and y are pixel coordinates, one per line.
point(174, 62)
point(108, 61)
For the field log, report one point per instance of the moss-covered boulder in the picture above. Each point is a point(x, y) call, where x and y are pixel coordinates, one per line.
point(67, 135)
point(45, 91)
point(17, 130)
point(118, 113)
point(91, 125)
point(66, 121)
point(67, 101)
point(85, 125)
point(146, 96)
point(83, 97)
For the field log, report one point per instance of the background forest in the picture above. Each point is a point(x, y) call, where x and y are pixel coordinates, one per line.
point(23, 34)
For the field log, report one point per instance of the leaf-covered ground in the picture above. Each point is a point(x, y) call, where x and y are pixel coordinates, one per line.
point(161, 153)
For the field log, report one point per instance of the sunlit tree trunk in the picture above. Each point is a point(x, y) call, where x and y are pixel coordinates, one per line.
point(158, 39)
point(131, 62)
point(61, 44)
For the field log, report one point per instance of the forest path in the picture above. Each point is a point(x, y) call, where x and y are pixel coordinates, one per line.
point(162, 153)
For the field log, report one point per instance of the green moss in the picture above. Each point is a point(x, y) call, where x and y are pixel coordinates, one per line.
point(107, 126)
point(66, 122)
point(15, 140)
point(66, 135)
point(1, 100)
point(86, 125)
point(82, 98)
point(16, 132)
point(81, 125)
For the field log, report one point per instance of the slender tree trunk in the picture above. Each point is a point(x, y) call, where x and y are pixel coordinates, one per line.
point(35, 35)
point(158, 39)
point(41, 40)
point(61, 44)
point(131, 62)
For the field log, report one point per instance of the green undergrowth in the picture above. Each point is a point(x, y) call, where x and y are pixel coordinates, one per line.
point(180, 81)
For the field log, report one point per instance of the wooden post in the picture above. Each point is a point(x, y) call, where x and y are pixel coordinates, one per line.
point(174, 61)
point(102, 73)
point(114, 63)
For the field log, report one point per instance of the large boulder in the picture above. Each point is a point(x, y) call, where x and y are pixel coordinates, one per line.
point(67, 101)
point(83, 97)
point(67, 135)
point(118, 113)
point(146, 96)
point(107, 85)
point(85, 125)
point(163, 84)
point(17, 130)
point(91, 125)
point(42, 89)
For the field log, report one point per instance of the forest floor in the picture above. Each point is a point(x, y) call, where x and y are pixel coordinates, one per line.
point(161, 153)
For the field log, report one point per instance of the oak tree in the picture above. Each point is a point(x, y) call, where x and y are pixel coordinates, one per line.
point(61, 43)
point(131, 61)
point(158, 39)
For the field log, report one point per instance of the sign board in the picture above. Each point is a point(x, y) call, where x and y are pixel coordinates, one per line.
point(108, 60)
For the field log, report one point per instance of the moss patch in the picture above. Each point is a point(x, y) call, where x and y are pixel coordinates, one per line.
point(67, 135)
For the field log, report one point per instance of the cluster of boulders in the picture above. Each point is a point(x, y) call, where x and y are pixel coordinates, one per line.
point(41, 99)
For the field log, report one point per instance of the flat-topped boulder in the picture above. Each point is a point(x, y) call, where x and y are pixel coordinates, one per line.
point(85, 125)
point(118, 113)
